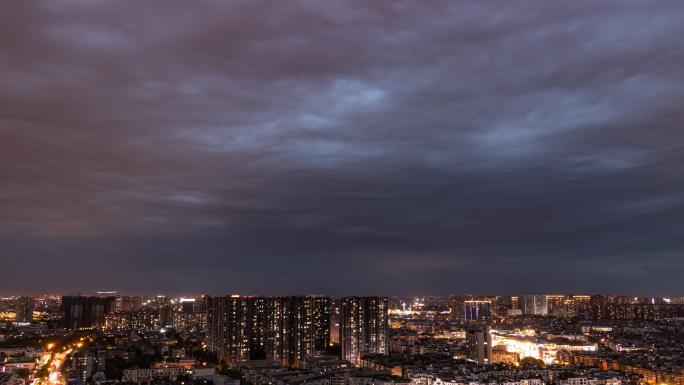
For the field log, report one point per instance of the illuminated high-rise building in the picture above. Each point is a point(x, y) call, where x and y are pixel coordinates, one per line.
point(201, 303)
point(25, 309)
point(216, 327)
point(335, 320)
point(259, 308)
point(291, 329)
point(237, 328)
point(555, 304)
point(534, 304)
point(364, 324)
point(597, 306)
point(322, 315)
point(228, 321)
point(280, 328)
point(124, 303)
point(578, 306)
point(477, 311)
point(187, 305)
point(457, 305)
point(494, 301)
point(479, 345)
point(136, 303)
point(515, 303)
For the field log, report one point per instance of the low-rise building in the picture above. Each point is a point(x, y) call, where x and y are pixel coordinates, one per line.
point(580, 381)
point(133, 375)
point(220, 379)
point(205, 372)
point(11, 379)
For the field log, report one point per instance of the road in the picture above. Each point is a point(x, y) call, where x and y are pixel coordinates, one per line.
point(55, 377)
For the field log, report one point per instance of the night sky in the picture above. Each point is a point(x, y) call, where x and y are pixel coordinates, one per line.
point(342, 147)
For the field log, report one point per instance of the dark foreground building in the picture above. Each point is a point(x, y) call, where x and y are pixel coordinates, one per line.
point(85, 312)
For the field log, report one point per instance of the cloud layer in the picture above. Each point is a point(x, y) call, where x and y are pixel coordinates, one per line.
point(357, 147)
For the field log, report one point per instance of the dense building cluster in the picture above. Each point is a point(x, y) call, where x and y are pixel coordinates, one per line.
point(318, 340)
point(287, 329)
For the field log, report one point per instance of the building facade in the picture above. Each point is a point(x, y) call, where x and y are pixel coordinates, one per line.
point(322, 319)
point(85, 312)
point(25, 307)
point(457, 305)
point(479, 345)
point(477, 311)
point(274, 328)
point(364, 326)
point(555, 304)
point(535, 304)
point(494, 300)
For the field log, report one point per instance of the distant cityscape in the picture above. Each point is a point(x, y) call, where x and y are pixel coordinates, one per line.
point(289, 340)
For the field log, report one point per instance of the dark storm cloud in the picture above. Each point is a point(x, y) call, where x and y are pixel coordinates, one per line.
point(342, 147)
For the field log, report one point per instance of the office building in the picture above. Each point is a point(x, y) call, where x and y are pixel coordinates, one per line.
point(364, 324)
point(535, 304)
point(25, 309)
point(479, 345)
point(477, 311)
point(457, 306)
point(515, 303)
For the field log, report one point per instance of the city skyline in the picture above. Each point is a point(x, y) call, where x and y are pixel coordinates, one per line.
point(349, 148)
point(464, 297)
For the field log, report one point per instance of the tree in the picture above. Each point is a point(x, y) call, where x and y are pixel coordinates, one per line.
point(67, 363)
point(532, 361)
point(234, 374)
point(23, 373)
point(203, 355)
point(565, 375)
point(171, 334)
